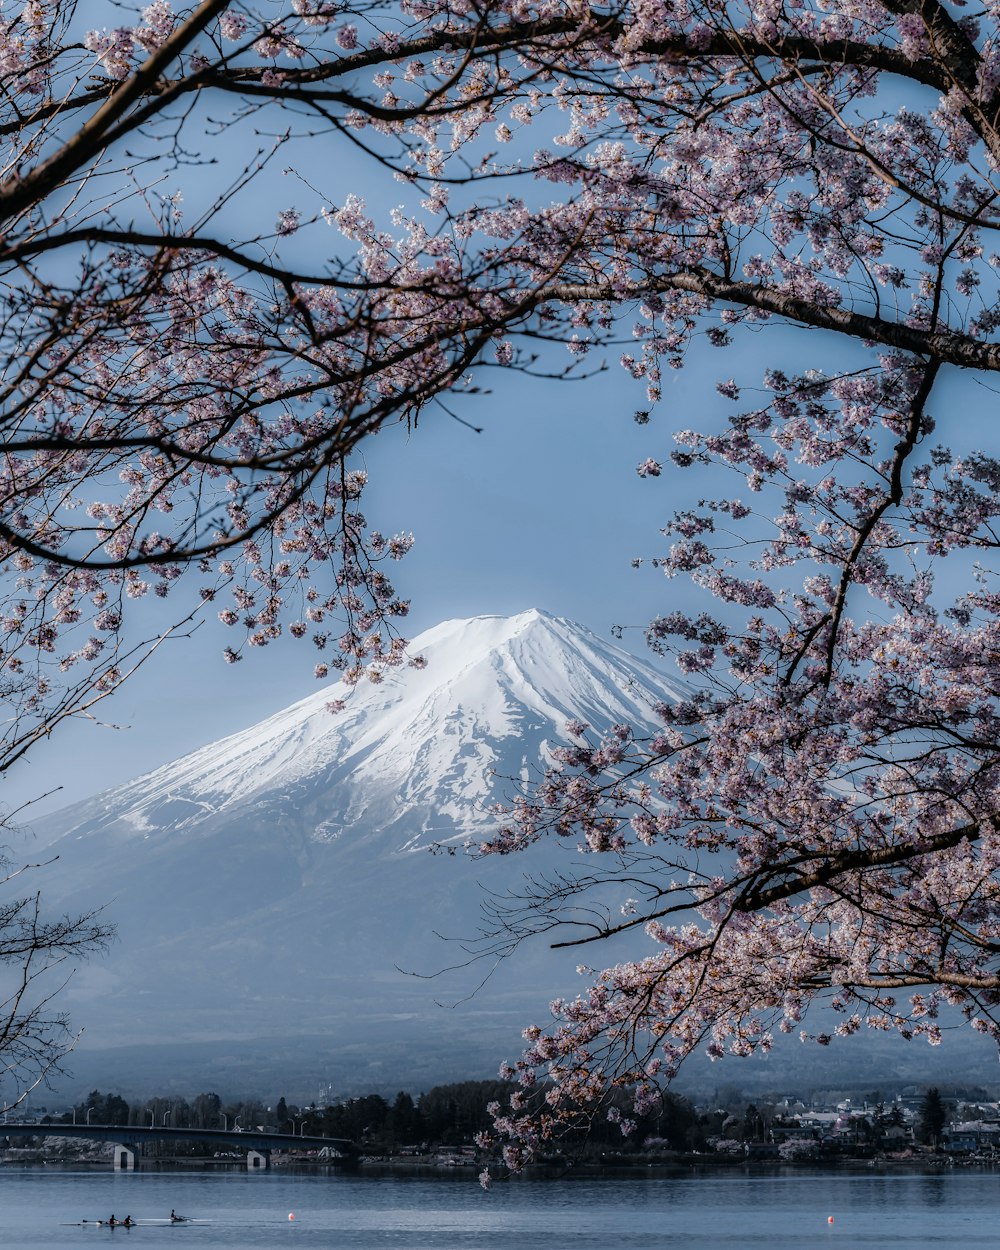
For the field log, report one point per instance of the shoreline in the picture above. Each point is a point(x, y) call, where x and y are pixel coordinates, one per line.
point(684, 1167)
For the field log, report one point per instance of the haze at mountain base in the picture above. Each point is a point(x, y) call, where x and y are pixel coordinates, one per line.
point(278, 883)
point(275, 894)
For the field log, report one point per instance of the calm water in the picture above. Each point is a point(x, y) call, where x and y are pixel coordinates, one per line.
point(354, 1213)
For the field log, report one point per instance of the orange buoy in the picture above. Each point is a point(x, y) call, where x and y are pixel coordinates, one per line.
point(829, 1219)
point(291, 1215)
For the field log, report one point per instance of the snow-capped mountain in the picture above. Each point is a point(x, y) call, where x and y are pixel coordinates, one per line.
point(411, 761)
point(277, 883)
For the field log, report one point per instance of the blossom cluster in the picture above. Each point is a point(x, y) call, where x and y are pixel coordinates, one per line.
point(820, 820)
point(819, 817)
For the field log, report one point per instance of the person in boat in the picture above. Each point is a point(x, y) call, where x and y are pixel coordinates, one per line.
point(127, 1222)
point(112, 1221)
point(175, 1218)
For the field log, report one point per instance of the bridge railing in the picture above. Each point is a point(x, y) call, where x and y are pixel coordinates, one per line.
point(243, 1139)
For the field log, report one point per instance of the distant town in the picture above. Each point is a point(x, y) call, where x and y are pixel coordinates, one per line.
point(439, 1129)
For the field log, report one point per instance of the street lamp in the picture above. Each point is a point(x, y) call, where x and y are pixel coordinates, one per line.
point(89, 1109)
point(152, 1116)
point(164, 1120)
point(225, 1121)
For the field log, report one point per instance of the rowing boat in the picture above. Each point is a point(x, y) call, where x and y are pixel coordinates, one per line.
point(184, 1219)
point(150, 1222)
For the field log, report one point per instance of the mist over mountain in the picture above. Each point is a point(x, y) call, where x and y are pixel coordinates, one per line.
point(274, 892)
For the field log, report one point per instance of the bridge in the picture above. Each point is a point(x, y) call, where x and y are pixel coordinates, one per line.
point(257, 1143)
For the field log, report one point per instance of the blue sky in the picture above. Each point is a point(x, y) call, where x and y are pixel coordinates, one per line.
point(542, 509)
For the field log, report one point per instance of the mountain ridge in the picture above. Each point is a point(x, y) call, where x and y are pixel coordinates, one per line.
point(280, 928)
point(272, 884)
point(415, 706)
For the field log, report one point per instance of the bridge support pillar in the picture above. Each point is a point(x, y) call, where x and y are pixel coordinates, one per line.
point(122, 1159)
point(258, 1160)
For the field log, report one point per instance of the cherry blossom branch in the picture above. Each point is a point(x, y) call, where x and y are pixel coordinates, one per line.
point(944, 347)
point(95, 133)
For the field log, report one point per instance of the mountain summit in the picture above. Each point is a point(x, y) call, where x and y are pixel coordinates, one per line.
point(277, 884)
point(410, 761)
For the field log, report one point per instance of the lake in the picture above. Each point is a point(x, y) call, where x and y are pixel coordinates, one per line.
point(338, 1212)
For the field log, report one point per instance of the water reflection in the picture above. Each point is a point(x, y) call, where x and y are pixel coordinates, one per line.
point(934, 1190)
point(781, 1211)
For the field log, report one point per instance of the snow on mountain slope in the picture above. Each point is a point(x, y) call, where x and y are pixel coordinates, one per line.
point(269, 884)
point(418, 751)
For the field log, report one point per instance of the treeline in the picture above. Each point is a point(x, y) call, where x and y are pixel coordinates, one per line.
point(446, 1115)
point(206, 1111)
point(452, 1115)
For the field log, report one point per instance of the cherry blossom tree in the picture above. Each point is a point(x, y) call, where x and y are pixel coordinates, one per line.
point(183, 387)
point(818, 820)
point(37, 953)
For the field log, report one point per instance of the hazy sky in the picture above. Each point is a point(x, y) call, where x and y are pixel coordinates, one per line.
point(543, 509)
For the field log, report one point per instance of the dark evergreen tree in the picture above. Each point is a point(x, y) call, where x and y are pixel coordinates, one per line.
point(932, 1117)
point(753, 1124)
point(454, 1113)
point(404, 1120)
point(98, 1108)
point(206, 1111)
